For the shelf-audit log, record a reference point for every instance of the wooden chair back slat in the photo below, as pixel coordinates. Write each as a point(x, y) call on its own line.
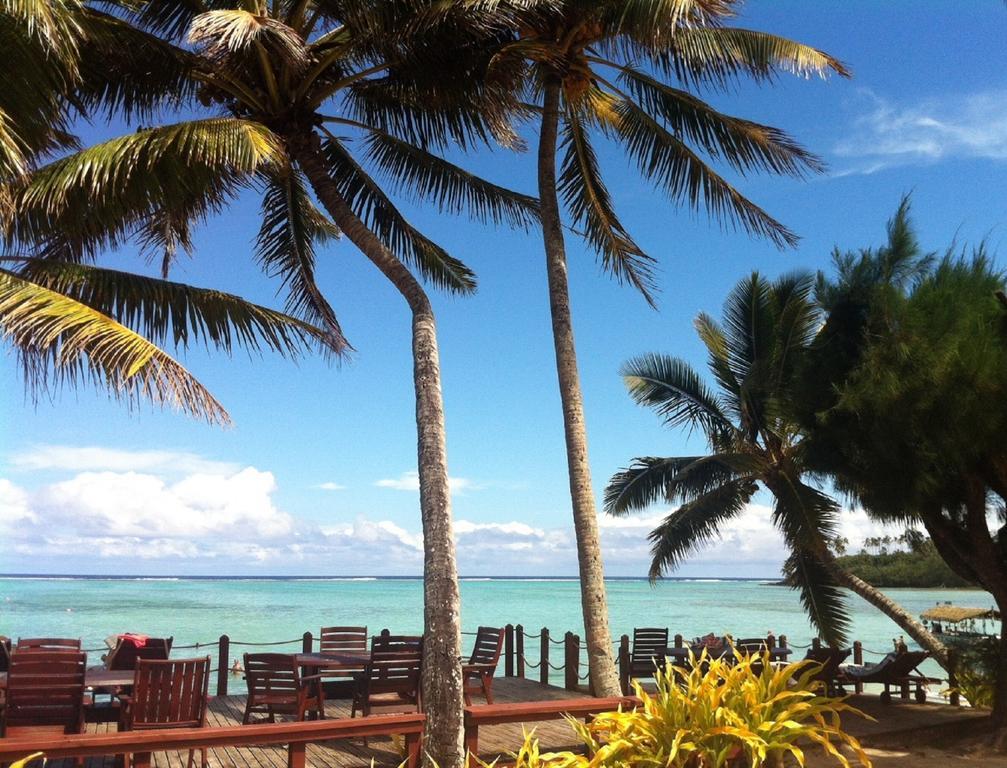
point(342, 640)
point(48, 643)
point(272, 674)
point(489, 643)
point(396, 644)
point(169, 693)
point(46, 688)
point(125, 654)
point(647, 653)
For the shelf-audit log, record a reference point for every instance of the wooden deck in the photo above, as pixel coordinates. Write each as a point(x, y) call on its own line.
point(893, 721)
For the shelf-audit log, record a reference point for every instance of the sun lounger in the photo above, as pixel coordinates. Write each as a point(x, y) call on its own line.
point(899, 669)
point(829, 673)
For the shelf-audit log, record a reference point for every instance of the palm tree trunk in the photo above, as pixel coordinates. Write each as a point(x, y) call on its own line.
point(604, 679)
point(442, 676)
point(890, 608)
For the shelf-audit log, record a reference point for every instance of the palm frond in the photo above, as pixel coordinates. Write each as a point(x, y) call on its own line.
point(170, 19)
point(129, 72)
point(96, 197)
point(168, 312)
point(718, 56)
point(742, 144)
point(376, 210)
point(59, 339)
point(685, 177)
point(586, 197)
point(805, 515)
point(672, 388)
point(285, 247)
point(223, 34)
point(649, 479)
point(451, 188)
point(822, 597)
point(749, 327)
point(695, 524)
point(719, 358)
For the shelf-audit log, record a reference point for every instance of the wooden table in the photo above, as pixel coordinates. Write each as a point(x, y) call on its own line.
point(332, 661)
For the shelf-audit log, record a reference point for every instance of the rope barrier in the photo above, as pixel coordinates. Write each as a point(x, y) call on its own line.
point(532, 666)
point(277, 642)
point(557, 667)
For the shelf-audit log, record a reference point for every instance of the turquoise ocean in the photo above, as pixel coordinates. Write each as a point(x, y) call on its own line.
point(256, 610)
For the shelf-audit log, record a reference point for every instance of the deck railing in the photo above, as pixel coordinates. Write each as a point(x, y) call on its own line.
point(518, 663)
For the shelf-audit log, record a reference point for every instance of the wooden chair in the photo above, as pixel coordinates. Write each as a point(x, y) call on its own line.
point(342, 640)
point(45, 689)
point(647, 654)
point(408, 644)
point(4, 654)
point(391, 679)
point(276, 687)
point(482, 664)
point(125, 655)
point(339, 684)
point(48, 644)
point(829, 674)
point(167, 694)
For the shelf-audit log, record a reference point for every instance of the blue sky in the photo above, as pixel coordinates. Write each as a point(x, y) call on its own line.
point(314, 476)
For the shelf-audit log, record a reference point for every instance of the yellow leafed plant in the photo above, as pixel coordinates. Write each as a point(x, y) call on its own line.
point(24, 761)
point(713, 715)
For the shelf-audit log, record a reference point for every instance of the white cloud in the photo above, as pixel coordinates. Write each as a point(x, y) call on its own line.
point(229, 522)
point(93, 458)
point(410, 481)
point(891, 134)
point(330, 486)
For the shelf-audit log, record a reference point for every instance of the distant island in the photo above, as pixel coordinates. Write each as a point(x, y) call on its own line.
point(910, 560)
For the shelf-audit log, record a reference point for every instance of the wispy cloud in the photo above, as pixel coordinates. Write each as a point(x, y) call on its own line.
point(890, 133)
point(85, 458)
point(330, 486)
point(410, 481)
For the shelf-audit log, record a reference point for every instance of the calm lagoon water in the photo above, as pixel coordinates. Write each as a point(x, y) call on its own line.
point(261, 610)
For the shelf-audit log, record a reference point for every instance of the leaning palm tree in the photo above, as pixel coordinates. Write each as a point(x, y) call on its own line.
point(624, 69)
point(323, 98)
point(753, 357)
point(66, 321)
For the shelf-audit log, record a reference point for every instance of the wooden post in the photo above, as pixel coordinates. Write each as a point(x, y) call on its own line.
point(519, 636)
point(571, 661)
point(816, 643)
point(678, 642)
point(306, 642)
point(858, 659)
point(413, 744)
point(782, 641)
point(771, 642)
point(296, 754)
point(509, 650)
point(625, 666)
point(955, 699)
point(223, 664)
point(543, 670)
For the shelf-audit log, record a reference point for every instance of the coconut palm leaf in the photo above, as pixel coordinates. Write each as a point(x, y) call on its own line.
point(167, 312)
point(672, 388)
point(665, 159)
point(96, 197)
point(62, 340)
point(742, 144)
point(125, 71)
point(823, 599)
point(451, 188)
point(696, 523)
point(718, 361)
point(285, 247)
point(719, 56)
point(377, 211)
point(749, 328)
point(649, 479)
point(581, 187)
point(234, 34)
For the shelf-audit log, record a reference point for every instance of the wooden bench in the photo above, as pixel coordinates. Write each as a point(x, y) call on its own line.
point(532, 711)
point(297, 735)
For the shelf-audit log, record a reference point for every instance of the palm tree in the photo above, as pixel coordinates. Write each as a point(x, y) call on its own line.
point(607, 66)
point(753, 356)
point(65, 321)
point(301, 97)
